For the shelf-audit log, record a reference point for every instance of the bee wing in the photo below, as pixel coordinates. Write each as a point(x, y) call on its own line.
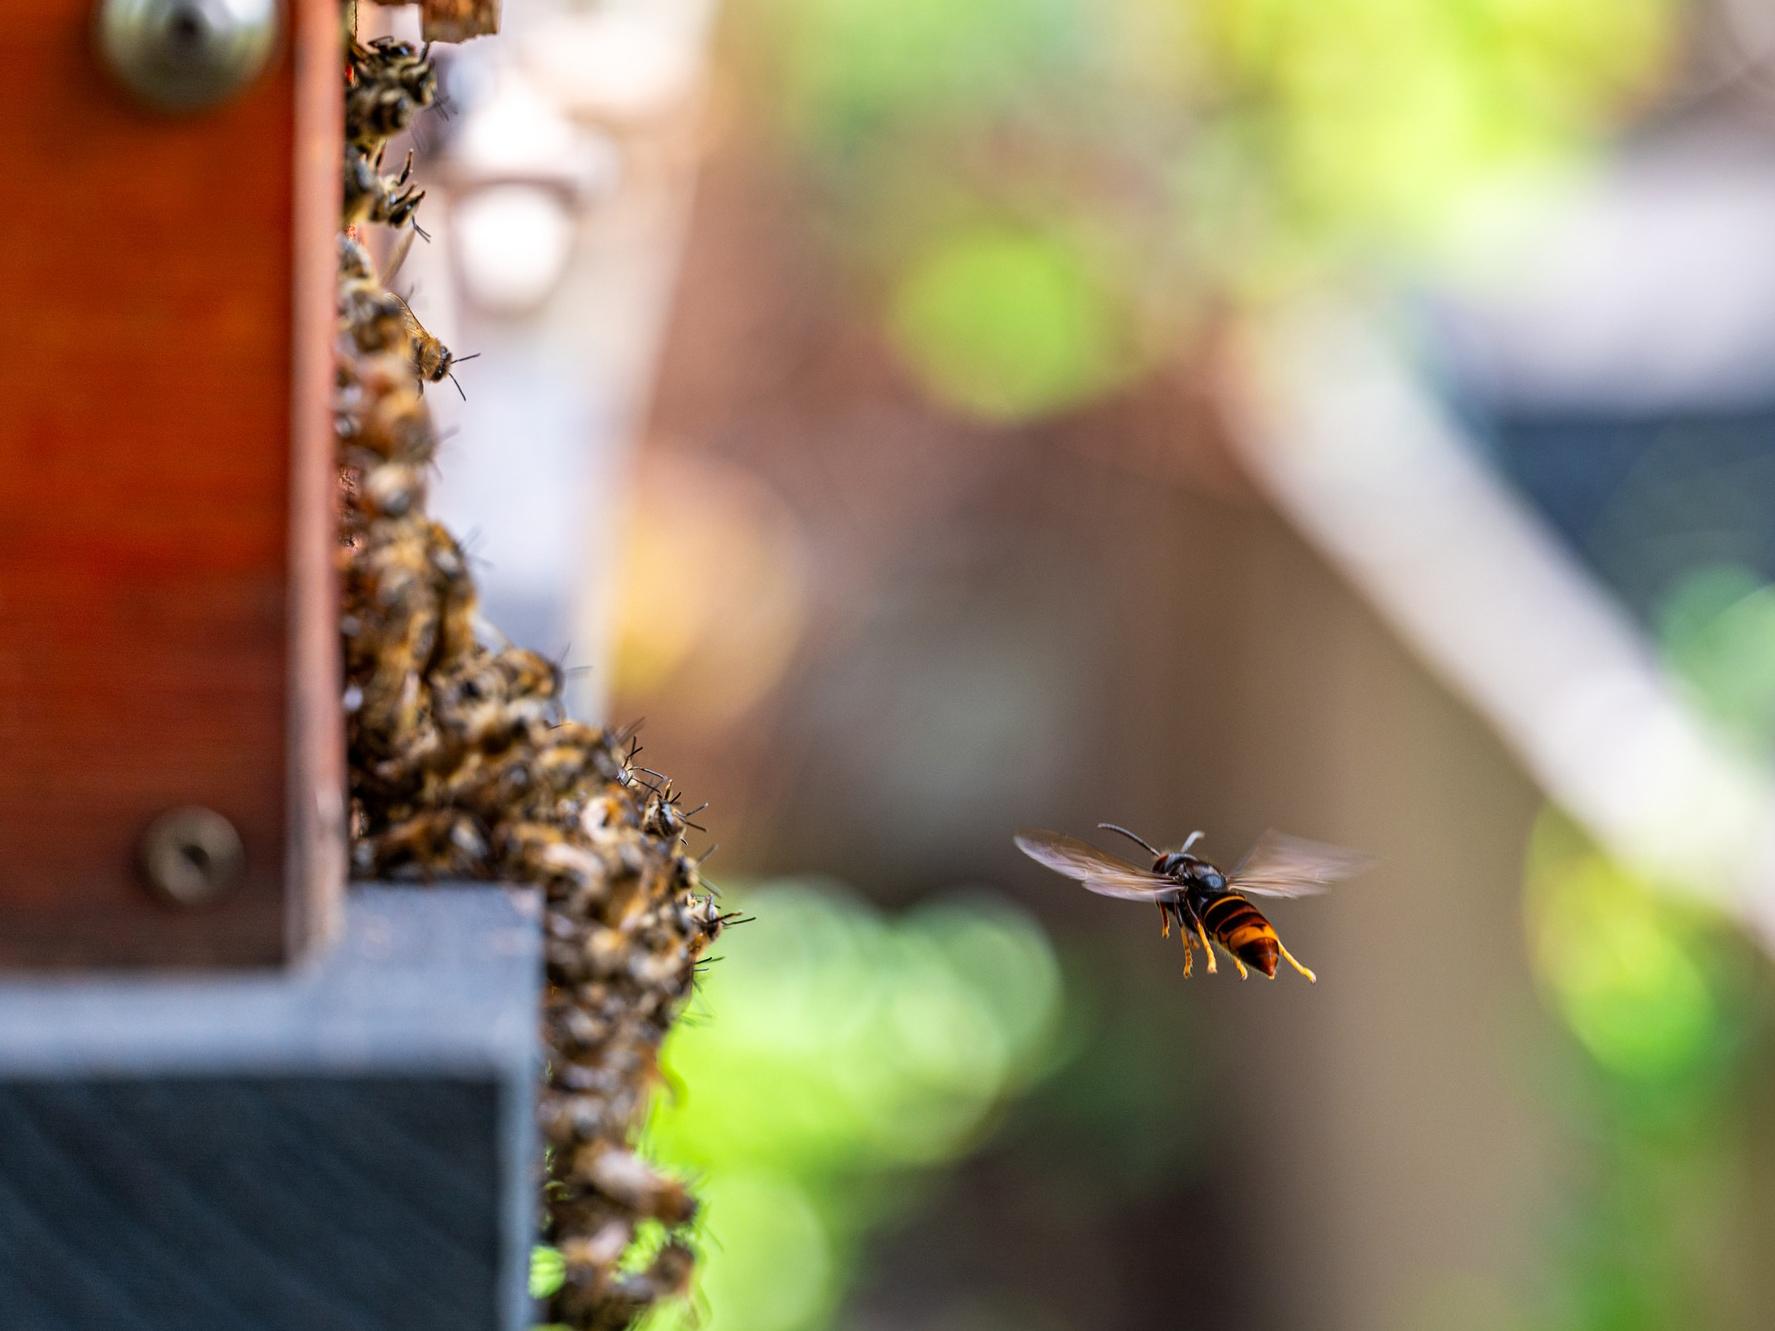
point(397, 256)
point(1280, 865)
point(1096, 870)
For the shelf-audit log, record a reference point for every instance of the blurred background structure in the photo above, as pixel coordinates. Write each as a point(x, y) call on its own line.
point(1329, 414)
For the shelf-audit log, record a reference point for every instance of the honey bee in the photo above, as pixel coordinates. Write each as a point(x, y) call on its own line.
point(392, 424)
point(623, 1175)
point(1203, 901)
point(662, 817)
point(392, 490)
point(391, 82)
point(432, 358)
point(377, 320)
point(457, 617)
point(371, 196)
point(354, 260)
point(434, 843)
point(573, 757)
point(529, 675)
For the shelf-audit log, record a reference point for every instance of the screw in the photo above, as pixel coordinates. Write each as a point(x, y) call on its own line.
point(182, 55)
point(192, 856)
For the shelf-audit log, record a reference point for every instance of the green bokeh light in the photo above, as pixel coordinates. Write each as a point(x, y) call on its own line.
point(1212, 149)
point(845, 1055)
point(1004, 323)
point(1718, 632)
point(547, 1271)
point(773, 1268)
point(1623, 962)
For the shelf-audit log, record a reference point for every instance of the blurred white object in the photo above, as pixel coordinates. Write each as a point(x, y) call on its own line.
point(513, 242)
point(1351, 446)
point(627, 61)
point(565, 199)
point(1651, 288)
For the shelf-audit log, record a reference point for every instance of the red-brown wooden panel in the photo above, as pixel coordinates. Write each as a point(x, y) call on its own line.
point(166, 618)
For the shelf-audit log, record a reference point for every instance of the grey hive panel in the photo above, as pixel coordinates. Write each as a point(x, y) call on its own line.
point(345, 1146)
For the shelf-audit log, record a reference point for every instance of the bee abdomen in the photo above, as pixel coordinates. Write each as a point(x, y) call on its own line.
point(1242, 929)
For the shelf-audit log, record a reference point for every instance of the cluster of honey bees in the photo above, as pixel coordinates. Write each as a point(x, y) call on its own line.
point(464, 765)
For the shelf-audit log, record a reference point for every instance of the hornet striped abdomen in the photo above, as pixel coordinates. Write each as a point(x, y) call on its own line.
point(1196, 896)
point(1241, 929)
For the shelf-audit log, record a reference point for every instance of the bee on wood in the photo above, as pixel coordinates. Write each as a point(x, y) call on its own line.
point(375, 319)
point(625, 1176)
point(540, 852)
point(354, 260)
point(663, 815)
point(387, 421)
point(432, 358)
point(435, 843)
point(575, 757)
point(529, 676)
point(391, 82)
point(371, 196)
point(392, 490)
point(1204, 902)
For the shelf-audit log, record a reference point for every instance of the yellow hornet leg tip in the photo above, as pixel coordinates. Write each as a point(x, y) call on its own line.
point(1289, 957)
point(1203, 935)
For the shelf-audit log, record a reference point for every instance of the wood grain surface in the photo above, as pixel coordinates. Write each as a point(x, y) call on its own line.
point(165, 616)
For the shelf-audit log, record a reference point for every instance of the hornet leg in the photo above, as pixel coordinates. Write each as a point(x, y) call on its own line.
point(1289, 958)
point(1233, 957)
point(1203, 935)
point(1164, 921)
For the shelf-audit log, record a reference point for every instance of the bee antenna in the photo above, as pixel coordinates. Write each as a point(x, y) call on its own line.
point(423, 233)
point(462, 360)
point(459, 392)
point(1116, 827)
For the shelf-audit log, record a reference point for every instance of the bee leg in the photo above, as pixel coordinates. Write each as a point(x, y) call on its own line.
point(1289, 958)
point(1203, 935)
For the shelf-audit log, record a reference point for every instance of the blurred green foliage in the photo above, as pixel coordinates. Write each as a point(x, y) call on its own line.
point(1667, 1001)
point(1006, 323)
point(1632, 967)
point(956, 152)
point(843, 1057)
point(1718, 632)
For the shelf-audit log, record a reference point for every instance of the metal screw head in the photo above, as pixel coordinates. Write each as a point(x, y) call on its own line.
point(192, 856)
point(182, 55)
